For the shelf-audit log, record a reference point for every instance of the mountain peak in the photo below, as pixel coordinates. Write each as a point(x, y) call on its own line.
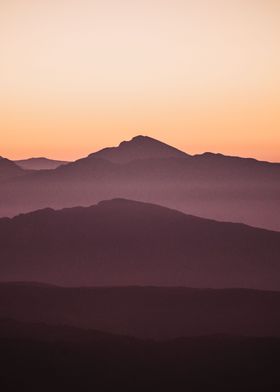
point(138, 148)
point(142, 138)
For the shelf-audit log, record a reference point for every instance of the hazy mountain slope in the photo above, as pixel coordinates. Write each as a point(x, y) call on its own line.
point(39, 163)
point(210, 185)
point(146, 312)
point(9, 169)
point(122, 242)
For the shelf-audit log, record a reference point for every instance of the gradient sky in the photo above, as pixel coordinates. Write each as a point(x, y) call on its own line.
point(79, 75)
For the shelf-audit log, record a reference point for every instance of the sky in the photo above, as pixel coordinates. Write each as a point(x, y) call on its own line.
point(80, 75)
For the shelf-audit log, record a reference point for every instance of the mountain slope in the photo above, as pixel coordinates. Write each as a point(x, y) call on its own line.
point(145, 312)
point(139, 147)
point(9, 169)
point(122, 242)
point(209, 185)
point(62, 359)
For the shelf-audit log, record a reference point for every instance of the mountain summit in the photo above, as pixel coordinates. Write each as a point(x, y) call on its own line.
point(139, 147)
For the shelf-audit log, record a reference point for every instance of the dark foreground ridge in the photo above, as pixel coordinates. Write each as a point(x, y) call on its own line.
point(145, 312)
point(37, 357)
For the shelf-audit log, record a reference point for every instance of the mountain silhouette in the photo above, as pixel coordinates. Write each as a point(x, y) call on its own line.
point(40, 163)
point(208, 185)
point(145, 312)
point(122, 242)
point(9, 170)
point(139, 147)
point(61, 358)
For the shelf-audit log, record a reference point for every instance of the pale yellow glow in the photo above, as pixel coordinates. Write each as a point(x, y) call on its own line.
point(78, 75)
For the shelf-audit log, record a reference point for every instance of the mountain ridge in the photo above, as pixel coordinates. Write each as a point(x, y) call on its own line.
point(208, 185)
point(174, 312)
point(39, 163)
point(119, 201)
point(133, 243)
point(9, 169)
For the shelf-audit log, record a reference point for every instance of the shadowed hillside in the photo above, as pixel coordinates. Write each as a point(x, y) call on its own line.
point(9, 170)
point(36, 357)
point(122, 242)
point(146, 312)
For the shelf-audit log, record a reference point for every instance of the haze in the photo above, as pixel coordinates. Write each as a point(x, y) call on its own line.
point(80, 75)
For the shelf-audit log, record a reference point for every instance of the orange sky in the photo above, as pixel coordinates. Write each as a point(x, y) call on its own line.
point(79, 75)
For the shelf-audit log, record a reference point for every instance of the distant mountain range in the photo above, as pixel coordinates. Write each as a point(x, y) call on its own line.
point(122, 242)
point(208, 185)
point(39, 163)
point(127, 266)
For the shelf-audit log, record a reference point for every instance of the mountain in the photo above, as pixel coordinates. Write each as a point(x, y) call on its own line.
point(145, 312)
point(9, 169)
point(139, 147)
point(66, 359)
point(207, 185)
point(146, 159)
point(122, 242)
point(39, 163)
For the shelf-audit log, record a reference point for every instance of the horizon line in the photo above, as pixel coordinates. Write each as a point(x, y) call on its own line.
point(39, 156)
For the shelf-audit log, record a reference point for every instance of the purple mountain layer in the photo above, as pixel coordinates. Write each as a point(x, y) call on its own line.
point(145, 312)
point(39, 163)
point(122, 242)
point(9, 170)
point(208, 185)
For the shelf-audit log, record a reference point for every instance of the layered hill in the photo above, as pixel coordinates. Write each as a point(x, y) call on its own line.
point(145, 312)
point(209, 185)
point(40, 163)
point(9, 170)
point(122, 242)
point(62, 358)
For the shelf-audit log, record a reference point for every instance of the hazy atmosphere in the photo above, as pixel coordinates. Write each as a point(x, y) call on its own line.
point(139, 195)
point(78, 75)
